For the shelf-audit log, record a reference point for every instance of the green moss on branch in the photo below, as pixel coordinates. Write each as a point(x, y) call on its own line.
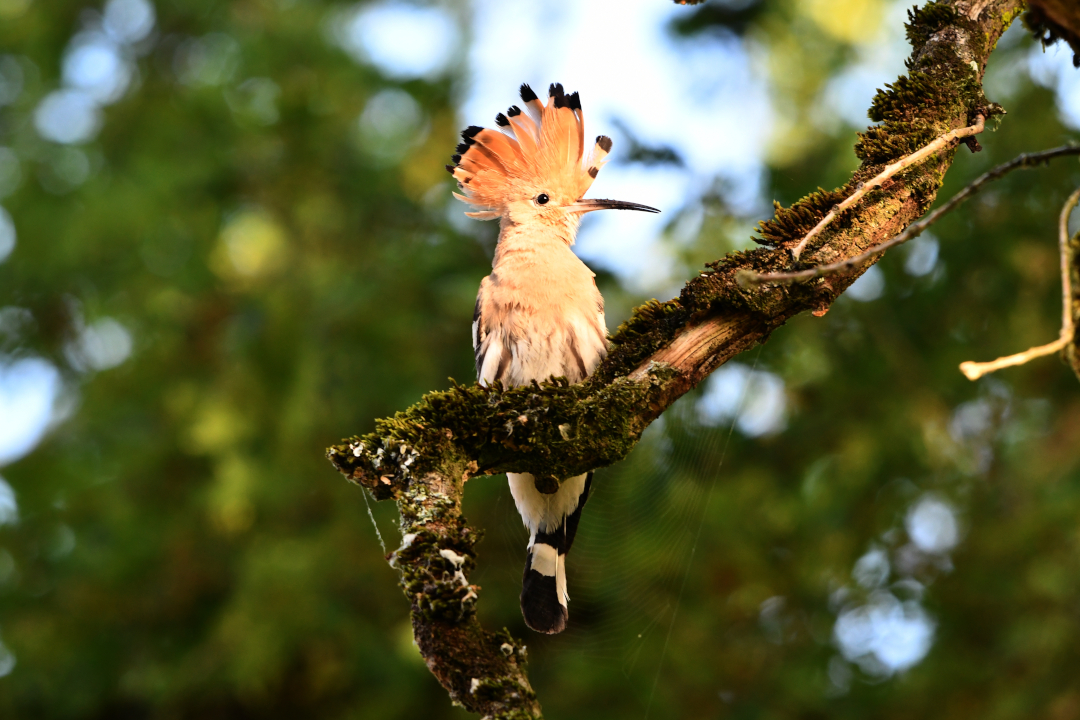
point(482, 671)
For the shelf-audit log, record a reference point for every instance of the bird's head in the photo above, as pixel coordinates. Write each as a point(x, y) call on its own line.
point(533, 168)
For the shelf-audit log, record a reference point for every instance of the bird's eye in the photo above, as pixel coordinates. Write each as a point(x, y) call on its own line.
point(542, 199)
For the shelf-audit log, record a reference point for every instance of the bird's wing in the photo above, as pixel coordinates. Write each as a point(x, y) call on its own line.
point(479, 336)
point(491, 355)
point(588, 341)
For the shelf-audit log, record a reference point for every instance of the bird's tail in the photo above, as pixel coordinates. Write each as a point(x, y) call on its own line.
point(552, 521)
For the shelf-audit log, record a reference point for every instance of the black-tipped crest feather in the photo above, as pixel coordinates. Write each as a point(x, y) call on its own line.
point(531, 147)
point(557, 95)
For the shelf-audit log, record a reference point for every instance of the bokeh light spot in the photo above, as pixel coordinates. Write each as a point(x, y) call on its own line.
point(872, 569)
point(972, 420)
point(216, 426)
point(869, 286)
point(102, 345)
point(922, 256)
point(932, 525)
point(1052, 67)
point(7, 658)
point(7, 234)
point(884, 636)
point(128, 21)
point(251, 245)
point(391, 124)
point(853, 21)
point(94, 65)
point(404, 41)
point(67, 116)
point(28, 390)
point(760, 394)
point(9, 509)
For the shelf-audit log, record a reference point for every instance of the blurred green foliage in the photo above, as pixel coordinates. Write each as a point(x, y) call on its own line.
point(183, 549)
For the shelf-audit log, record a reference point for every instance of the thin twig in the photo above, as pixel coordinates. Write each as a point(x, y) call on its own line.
point(915, 229)
point(975, 370)
point(1065, 250)
point(1072, 352)
point(890, 170)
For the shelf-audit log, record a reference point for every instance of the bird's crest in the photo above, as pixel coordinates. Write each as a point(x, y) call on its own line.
point(538, 149)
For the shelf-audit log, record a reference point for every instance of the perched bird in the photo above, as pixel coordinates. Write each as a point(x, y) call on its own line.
point(539, 313)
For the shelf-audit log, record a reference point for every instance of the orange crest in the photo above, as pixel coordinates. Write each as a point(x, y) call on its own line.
point(536, 150)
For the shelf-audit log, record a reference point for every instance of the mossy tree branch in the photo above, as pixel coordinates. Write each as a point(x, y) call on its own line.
point(1026, 160)
point(422, 457)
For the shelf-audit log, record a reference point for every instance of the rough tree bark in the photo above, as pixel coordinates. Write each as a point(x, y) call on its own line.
point(422, 457)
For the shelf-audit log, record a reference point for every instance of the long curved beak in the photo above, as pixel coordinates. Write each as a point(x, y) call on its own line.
point(584, 206)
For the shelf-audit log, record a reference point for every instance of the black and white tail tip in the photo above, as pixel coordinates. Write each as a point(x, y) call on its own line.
point(543, 586)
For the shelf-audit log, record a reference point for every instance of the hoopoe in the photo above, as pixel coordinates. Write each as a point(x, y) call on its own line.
point(539, 313)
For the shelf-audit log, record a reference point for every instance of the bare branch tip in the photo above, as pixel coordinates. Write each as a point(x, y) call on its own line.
point(971, 370)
